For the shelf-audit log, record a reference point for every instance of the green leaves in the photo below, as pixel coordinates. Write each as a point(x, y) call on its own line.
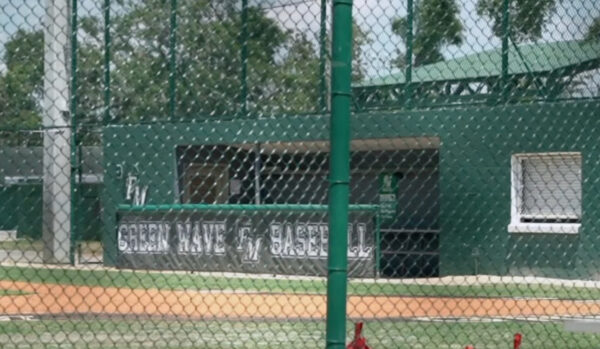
point(527, 17)
point(21, 84)
point(593, 32)
point(436, 25)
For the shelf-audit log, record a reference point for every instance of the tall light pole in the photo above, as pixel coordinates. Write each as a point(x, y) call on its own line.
point(56, 225)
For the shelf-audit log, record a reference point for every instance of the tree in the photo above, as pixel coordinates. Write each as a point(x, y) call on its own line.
point(208, 60)
point(593, 32)
point(436, 25)
point(359, 39)
point(21, 84)
point(283, 65)
point(527, 17)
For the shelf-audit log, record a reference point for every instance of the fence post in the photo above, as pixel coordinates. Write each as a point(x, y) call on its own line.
point(244, 60)
point(409, 54)
point(341, 69)
point(323, 58)
point(73, 113)
point(172, 60)
point(505, 37)
point(106, 117)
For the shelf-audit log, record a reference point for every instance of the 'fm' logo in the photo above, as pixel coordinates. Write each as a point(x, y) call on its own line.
point(134, 192)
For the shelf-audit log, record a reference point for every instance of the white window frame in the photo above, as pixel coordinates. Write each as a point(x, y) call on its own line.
point(516, 197)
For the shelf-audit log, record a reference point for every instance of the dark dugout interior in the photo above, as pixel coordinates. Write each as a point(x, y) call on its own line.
point(296, 173)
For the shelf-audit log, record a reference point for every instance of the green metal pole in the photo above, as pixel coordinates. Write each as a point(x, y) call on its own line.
point(409, 54)
point(172, 60)
point(244, 58)
point(341, 98)
point(505, 37)
point(106, 118)
point(73, 112)
point(377, 243)
point(237, 207)
point(323, 58)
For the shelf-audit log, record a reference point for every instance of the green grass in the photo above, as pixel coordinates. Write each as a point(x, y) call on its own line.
point(147, 333)
point(11, 292)
point(189, 281)
point(22, 244)
point(28, 244)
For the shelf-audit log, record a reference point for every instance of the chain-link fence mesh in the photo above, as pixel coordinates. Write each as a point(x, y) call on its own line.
point(165, 168)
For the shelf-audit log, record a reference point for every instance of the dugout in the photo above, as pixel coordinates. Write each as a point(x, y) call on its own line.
point(274, 172)
point(451, 164)
point(473, 172)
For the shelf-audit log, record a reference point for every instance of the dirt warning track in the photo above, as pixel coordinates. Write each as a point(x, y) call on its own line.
point(53, 299)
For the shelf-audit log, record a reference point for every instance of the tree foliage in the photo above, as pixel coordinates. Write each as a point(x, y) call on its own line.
point(593, 32)
point(283, 65)
point(21, 84)
point(527, 17)
point(436, 25)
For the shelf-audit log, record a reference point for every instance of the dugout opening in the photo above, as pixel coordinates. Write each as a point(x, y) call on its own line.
point(399, 174)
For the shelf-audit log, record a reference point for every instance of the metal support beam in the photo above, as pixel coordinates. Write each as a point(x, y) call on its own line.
point(172, 60)
point(505, 38)
point(244, 60)
point(323, 58)
point(106, 117)
point(75, 156)
point(410, 18)
point(257, 170)
point(238, 207)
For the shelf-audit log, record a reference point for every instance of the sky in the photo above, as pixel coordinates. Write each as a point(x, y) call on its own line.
point(374, 16)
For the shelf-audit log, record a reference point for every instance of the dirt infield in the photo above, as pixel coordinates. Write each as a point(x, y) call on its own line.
point(53, 299)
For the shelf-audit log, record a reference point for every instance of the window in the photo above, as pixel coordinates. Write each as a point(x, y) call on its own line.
point(546, 193)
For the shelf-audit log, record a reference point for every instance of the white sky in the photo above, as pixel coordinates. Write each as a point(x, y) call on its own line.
point(374, 16)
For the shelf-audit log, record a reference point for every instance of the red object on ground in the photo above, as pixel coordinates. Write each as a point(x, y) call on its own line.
point(359, 341)
point(518, 339)
point(469, 347)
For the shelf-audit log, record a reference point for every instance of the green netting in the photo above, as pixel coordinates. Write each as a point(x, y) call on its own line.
point(177, 173)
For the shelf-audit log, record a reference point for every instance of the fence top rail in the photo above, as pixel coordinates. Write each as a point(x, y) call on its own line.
point(237, 207)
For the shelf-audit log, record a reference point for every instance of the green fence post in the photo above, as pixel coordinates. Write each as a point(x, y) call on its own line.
point(323, 58)
point(106, 118)
point(73, 113)
point(409, 54)
point(377, 243)
point(341, 69)
point(172, 60)
point(505, 37)
point(244, 60)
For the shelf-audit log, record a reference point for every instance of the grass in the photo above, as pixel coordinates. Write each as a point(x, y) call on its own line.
point(22, 244)
point(189, 281)
point(11, 293)
point(28, 244)
point(147, 333)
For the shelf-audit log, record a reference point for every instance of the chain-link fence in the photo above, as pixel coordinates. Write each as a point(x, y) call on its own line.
point(167, 177)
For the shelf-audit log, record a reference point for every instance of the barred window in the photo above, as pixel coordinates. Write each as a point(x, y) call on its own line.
point(546, 193)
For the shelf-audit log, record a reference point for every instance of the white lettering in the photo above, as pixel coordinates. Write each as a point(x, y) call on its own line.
point(183, 237)
point(364, 251)
point(123, 238)
point(251, 250)
point(288, 241)
point(275, 230)
point(313, 235)
point(324, 232)
point(301, 240)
